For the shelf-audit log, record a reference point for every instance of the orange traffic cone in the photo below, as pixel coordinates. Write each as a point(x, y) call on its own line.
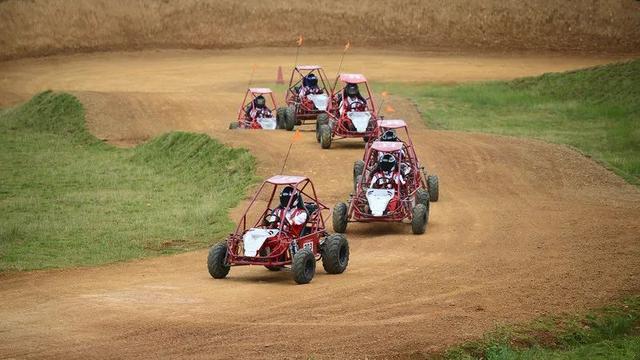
point(279, 78)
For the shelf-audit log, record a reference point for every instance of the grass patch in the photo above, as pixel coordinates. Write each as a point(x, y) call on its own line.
point(68, 199)
point(612, 332)
point(596, 110)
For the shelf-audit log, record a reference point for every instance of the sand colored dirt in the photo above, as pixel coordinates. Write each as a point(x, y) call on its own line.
point(522, 228)
point(44, 27)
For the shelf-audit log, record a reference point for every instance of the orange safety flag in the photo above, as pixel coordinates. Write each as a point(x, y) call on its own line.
point(348, 45)
point(390, 109)
point(296, 136)
point(300, 40)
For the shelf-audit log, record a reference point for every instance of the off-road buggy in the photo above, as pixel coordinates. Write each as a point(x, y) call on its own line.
point(250, 117)
point(263, 238)
point(401, 131)
point(386, 200)
point(348, 120)
point(304, 106)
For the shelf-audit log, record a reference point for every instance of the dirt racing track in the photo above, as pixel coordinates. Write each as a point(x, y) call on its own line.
point(522, 228)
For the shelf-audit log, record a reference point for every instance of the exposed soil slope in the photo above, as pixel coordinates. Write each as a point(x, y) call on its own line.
point(43, 27)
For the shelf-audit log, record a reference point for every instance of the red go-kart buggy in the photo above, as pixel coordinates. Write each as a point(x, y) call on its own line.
point(387, 200)
point(307, 97)
point(250, 116)
point(263, 238)
point(350, 116)
point(429, 182)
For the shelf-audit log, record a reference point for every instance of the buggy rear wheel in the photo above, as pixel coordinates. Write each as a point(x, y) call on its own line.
point(216, 261)
point(266, 252)
point(339, 217)
point(335, 254)
point(290, 117)
point(358, 169)
point(234, 125)
point(432, 182)
point(325, 136)
point(420, 219)
point(303, 266)
point(422, 197)
point(280, 114)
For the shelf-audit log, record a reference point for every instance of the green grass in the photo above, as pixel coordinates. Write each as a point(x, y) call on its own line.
point(67, 199)
point(596, 110)
point(612, 332)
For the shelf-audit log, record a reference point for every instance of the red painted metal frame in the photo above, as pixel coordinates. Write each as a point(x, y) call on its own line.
point(248, 123)
point(398, 124)
point(305, 109)
point(280, 254)
point(414, 181)
point(339, 130)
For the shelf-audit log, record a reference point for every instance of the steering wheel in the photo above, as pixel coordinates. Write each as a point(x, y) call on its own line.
point(271, 220)
point(383, 183)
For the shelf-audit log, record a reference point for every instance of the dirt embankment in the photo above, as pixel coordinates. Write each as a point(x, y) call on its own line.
point(43, 27)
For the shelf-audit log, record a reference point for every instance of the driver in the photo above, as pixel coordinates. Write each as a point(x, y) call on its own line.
point(390, 135)
point(386, 177)
point(352, 100)
point(294, 217)
point(309, 86)
point(258, 109)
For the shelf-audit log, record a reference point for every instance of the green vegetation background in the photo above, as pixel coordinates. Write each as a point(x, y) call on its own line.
point(68, 199)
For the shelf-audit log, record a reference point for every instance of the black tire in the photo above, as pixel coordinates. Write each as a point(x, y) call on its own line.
point(322, 119)
point(325, 136)
point(264, 252)
point(339, 217)
point(422, 197)
point(303, 266)
point(216, 261)
point(420, 219)
point(358, 169)
point(234, 125)
point(432, 183)
point(290, 117)
point(280, 114)
point(335, 254)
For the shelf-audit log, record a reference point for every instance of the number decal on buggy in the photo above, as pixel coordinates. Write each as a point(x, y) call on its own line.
point(308, 246)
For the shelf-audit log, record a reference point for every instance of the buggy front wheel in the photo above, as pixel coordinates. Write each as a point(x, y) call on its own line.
point(434, 192)
point(339, 217)
point(420, 219)
point(422, 197)
point(325, 136)
point(216, 261)
point(290, 117)
point(322, 119)
point(335, 254)
point(280, 115)
point(303, 266)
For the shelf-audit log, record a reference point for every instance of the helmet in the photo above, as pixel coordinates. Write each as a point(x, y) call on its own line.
point(352, 89)
point(312, 80)
point(285, 196)
point(387, 162)
point(389, 135)
point(259, 101)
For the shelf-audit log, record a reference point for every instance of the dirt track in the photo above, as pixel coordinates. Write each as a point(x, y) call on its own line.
point(523, 228)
